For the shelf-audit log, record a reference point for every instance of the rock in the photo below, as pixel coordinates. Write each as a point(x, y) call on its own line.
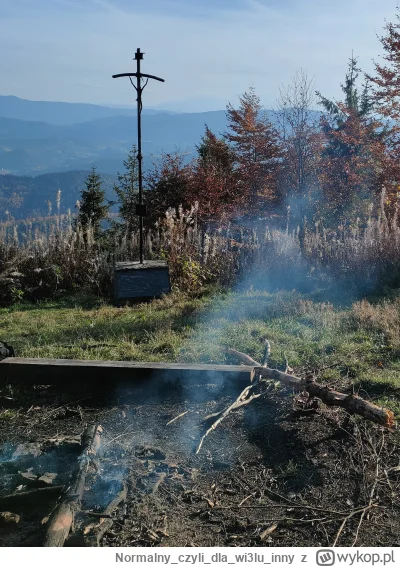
point(8, 519)
point(6, 350)
point(28, 478)
point(47, 479)
point(33, 480)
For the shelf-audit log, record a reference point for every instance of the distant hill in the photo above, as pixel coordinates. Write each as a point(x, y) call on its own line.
point(62, 113)
point(49, 137)
point(29, 148)
point(24, 196)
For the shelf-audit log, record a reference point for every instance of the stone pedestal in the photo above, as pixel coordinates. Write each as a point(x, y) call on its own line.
point(135, 281)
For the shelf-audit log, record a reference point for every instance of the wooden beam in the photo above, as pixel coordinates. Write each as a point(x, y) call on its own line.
point(54, 371)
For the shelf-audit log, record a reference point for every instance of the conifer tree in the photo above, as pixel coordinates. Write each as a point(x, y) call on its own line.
point(93, 208)
point(386, 81)
point(213, 150)
point(354, 147)
point(127, 192)
point(256, 145)
point(214, 180)
point(167, 186)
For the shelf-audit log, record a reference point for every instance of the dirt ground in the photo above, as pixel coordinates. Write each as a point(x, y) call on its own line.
point(271, 474)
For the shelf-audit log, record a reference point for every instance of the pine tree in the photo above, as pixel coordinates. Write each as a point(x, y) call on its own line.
point(214, 180)
point(93, 208)
point(386, 82)
point(127, 193)
point(167, 186)
point(213, 150)
point(354, 147)
point(256, 145)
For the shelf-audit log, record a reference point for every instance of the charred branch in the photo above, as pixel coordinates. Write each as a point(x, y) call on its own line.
point(62, 519)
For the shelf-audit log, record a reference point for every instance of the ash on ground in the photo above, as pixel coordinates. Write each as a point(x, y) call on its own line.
point(269, 475)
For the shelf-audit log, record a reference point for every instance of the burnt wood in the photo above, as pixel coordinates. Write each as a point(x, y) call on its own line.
point(61, 520)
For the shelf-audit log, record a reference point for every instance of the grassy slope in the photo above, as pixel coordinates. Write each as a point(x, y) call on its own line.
point(359, 346)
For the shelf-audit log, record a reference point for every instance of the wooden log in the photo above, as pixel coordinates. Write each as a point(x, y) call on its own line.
point(242, 357)
point(90, 534)
point(63, 372)
point(95, 536)
point(62, 519)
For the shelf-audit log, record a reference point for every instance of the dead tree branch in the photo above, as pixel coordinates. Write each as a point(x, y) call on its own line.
point(62, 519)
point(352, 403)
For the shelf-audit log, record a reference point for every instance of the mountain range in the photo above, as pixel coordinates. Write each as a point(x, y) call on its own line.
point(41, 137)
point(46, 146)
point(24, 197)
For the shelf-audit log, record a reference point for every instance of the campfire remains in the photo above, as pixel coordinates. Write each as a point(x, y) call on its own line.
point(261, 374)
point(147, 472)
point(62, 519)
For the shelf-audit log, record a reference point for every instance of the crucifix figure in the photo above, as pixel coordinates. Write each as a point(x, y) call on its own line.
point(141, 207)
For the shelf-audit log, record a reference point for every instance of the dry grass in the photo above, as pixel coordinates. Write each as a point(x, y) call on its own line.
point(56, 260)
point(382, 318)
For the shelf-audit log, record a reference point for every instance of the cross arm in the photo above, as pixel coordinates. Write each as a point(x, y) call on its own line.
point(135, 75)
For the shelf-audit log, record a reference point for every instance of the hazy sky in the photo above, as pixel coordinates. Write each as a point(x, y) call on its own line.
point(208, 51)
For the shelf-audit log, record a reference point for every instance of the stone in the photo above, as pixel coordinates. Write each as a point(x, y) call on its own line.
point(8, 519)
point(48, 478)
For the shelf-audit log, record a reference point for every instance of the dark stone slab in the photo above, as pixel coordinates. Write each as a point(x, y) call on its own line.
point(133, 280)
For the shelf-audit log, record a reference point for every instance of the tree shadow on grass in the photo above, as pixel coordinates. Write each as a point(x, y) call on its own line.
point(83, 301)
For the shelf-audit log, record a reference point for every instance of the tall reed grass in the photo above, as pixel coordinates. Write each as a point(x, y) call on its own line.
point(49, 257)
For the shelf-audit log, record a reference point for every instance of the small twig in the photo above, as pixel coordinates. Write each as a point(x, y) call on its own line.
point(247, 498)
point(354, 513)
point(266, 354)
point(126, 432)
point(371, 496)
point(160, 479)
point(241, 400)
point(96, 514)
point(177, 417)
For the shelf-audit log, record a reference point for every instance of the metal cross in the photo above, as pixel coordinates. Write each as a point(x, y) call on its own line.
point(140, 208)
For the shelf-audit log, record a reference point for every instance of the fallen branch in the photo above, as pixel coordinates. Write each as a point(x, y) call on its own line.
point(243, 358)
point(62, 519)
point(244, 398)
point(342, 525)
point(352, 403)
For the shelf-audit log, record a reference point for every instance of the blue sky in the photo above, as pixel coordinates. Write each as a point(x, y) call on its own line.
point(208, 51)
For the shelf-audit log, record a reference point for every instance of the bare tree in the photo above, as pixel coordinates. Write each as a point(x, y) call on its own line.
point(299, 127)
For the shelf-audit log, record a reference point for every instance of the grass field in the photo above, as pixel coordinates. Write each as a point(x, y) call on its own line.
point(355, 345)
